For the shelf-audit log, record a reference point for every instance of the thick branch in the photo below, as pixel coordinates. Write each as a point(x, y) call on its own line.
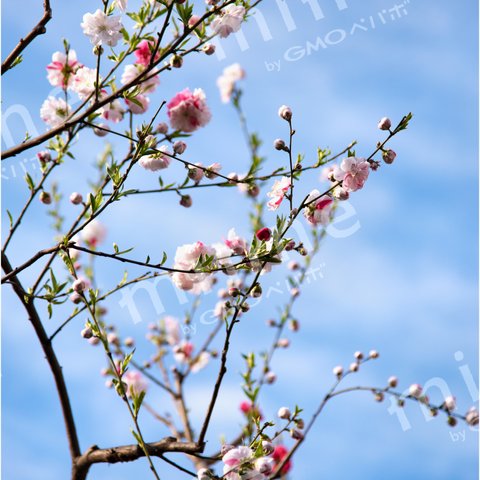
point(51, 359)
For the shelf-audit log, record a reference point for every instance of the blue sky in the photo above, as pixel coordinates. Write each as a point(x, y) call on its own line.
point(404, 283)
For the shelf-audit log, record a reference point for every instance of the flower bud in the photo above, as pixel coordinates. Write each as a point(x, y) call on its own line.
point(358, 355)
point(162, 128)
point(75, 298)
point(293, 265)
point(264, 234)
point(176, 61)
point(76, 198)
point(268, 447)
point(193, 20)
point(44, 156)
point(234, 292)
point(97, 50)
point(285, 113)
point(101, 132)
point(373, 354)
point(294, 325)
point(256, 291)
point(270, 377)
point(78, 285)
point(450, 403)
point(415, 390)
point(284, 413)
point(86, 333)
point(295, 292)
point(296, 434)
point(253, 191)
point(279, 144)
point(392, 382)
point(472, 417)
point(271, 323)
point(45, 198)
point(179, 147)
point(290, 246)
point(204, 473)
point(379, 396)
point(186, 201)
point(129, 342)
point(196, 174)
point(209, 49)
point(283, 343)
point(353, 367)
point(384, 124)
point(389, 156)
point(338, 371)
point(245, 307)
point(452, 421)
point(94, 341)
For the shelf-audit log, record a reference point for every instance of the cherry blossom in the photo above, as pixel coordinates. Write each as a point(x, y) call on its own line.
point(188, 111)
point(354, 173)
point(139, 105)
point(200, 362)
point(62, 68)
point(143, 52)
point(94, 233)
point(83, 82)
point(279, 453)
point(228, 21)
point(131, 72)
point(101, 28)
point(237, 244)
point(113, 111)
point(135, 381)
point(277, 193)
point(226, 82)
point(318, 212)
point(54, 111)
point(156, 161)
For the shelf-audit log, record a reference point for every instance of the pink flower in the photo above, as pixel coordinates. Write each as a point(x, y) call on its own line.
point(278, 455)
point(264, 234)
point(135, 381)
point(143, 52)
point(200, 362)
point(236, 457)
point(139, 106)
point(228, 21)
point(354, 173)
point(188, 111)
point(94, 233)
point(279, 189)
point(131, 72)
point(172, 330)
point(186, 258)
point(183, 352)
point(113, 111)
point(61, 70)
point(83, 82)
point(237, 244)
point(226, 82)
point(156, 161)
point(318, 212)
point(54, 111)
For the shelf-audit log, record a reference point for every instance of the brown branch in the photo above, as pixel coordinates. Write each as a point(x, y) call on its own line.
point(129, 453)
point(23, 43)
point(51, 359)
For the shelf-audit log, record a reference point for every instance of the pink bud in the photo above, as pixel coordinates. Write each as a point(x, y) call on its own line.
point(283, 343)
point(384, 124)
point(75, 298)
point(264, 234)
point(392, 382)
point(296, 434)
point(44, 156)
point(450, 403)
point(284, 413)
point(373, 354)
point(186, 201)
point(338, 371)
point(209, 49)
point(78, 285)
point(268, 447)
point(353, 367)
point(45, 198)
point(162, 128)
point(279, 144)
point(285, 113)
point(415, 390)
point(294, 325)
point(389, 156)
point(76, 198)
point(358, 355)
point(193, 20)
point(86, 333)
point(472, 417)
point(179, 147)
point(129, 342)
point(270, 377)
point(101, 132)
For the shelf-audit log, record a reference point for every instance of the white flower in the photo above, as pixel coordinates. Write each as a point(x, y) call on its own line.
point(226, 82)
point(228, 21)
point(101, 28)
point(200, 362)
point(54, 111)
point(84, 82)
point(121, 4)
